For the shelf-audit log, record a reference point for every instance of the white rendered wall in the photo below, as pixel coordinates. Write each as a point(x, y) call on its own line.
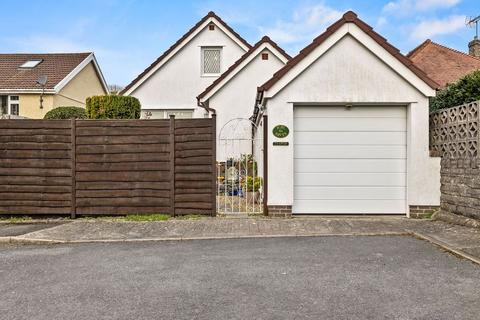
point(350, 73)
point(178, 82)
point(236, 98)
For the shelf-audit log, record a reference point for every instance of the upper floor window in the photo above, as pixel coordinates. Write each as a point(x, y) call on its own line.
point(211, 60)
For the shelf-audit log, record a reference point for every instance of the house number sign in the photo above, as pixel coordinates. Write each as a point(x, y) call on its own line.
point(280, 131)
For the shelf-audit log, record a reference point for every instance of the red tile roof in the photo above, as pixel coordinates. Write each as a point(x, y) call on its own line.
point(56, 66)
point(265, 39)
point(442, 64)
point(348, 17)
point(211, 14)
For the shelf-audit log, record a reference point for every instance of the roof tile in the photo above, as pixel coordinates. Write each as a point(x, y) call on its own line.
point(56, 66)
point(442, 64)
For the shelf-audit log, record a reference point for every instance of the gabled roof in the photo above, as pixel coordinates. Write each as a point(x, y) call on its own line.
point(349, 17)
point(238, 65)
point(443, 64)
point(60, 68)
point(180, 43)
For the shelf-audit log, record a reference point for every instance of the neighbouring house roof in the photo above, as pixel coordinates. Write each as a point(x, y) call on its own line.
point(238, 65)
point(349, 17)
point(180, 43)
point(60, 68)
point(443, 64)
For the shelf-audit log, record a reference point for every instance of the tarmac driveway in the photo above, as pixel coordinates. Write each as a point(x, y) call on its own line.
point(388, 277)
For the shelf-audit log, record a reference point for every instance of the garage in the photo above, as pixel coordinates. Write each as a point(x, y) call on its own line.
point(355, 132)
point(350, 160)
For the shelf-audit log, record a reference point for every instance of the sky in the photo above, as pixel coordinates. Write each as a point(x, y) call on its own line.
point(128, 35)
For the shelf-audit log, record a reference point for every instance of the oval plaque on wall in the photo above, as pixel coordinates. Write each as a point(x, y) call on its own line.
point(280, 131)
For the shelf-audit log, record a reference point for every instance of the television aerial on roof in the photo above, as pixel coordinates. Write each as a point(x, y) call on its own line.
point(472, 22)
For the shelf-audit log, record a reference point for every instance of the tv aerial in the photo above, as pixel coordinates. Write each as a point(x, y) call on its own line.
point(472, 22)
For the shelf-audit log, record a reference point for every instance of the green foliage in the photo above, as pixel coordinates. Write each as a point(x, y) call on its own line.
point(147, 217)
point(66, 113)
point(465, 90)
point(113, 107)
point(251, 184)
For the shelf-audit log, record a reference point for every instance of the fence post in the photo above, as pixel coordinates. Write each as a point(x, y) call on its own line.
point(214, 164)
point(73, 156)
point(265, 165)
point(172, 165)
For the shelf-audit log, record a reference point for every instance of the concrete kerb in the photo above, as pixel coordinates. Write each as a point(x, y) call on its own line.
point(441, 244)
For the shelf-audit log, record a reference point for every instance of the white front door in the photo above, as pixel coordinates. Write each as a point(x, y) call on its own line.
point(350, 160)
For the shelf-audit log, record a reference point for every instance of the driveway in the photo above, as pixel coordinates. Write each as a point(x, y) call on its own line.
point(362, 277)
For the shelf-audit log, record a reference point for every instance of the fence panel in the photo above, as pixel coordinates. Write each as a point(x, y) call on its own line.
point(116, 166)
point(454, 131)
point(35, 167)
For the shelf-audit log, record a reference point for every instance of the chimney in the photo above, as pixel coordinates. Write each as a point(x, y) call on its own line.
point(474, 47)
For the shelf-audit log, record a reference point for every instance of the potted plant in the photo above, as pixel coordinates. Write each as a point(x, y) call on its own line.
point(251, 187)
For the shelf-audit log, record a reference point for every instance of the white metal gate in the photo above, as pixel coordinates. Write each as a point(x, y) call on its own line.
point(240, 182)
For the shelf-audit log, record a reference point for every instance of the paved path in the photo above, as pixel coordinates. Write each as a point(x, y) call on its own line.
point(385, 277)
point(453, 237)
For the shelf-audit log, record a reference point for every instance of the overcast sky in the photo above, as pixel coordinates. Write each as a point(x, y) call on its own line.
point(128, 35)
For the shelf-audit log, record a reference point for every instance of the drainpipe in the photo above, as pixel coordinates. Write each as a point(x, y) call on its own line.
point(204, 106)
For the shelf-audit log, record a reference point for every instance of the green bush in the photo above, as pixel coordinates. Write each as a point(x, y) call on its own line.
point(113, 107)
point(66, 113)
point(465, 90)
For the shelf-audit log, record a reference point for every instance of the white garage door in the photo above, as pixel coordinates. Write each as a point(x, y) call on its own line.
point(350, 161)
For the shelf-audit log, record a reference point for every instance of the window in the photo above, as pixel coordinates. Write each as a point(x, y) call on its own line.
point(165, 114)
point(211, 60)
point(211, 27)
point(4, 104)
point(14, 109)
point(264, 56)
point(30, 64)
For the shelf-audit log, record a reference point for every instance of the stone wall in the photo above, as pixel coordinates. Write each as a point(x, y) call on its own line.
point(460, 180)
point(454, 135)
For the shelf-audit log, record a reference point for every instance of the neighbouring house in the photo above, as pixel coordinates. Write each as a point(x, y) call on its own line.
point(231, 95)
point(33, 84)
point(443, 64)
point(357, 114)
point(170, 85)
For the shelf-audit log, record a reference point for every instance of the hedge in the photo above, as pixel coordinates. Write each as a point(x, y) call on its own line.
point(66, 113)
point(465, 90)
point(113, 107)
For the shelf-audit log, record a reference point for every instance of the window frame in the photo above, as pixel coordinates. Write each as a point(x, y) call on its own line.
point(12, 102)
point(202, 61)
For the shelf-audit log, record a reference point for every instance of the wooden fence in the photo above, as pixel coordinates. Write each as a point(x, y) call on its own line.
point(112, 167)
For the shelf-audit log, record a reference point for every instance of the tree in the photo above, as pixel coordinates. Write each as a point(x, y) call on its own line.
point(465, 90)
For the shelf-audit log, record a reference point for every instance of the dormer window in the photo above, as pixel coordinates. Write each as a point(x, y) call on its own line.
point(211, 60)
point(30, 64)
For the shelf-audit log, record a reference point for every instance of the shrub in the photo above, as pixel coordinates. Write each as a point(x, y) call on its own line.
point(251, 184)
point(113, 107)
point(66, 113)
point(465, 90)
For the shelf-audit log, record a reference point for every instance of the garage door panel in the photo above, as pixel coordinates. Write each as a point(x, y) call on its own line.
point(350, 152)
point(350, 161)
point(349, 193)
point(355, 111)
point(350, 138)
point(350, 207)
point(350, 165)
point(350, 179)
point(349, 124)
